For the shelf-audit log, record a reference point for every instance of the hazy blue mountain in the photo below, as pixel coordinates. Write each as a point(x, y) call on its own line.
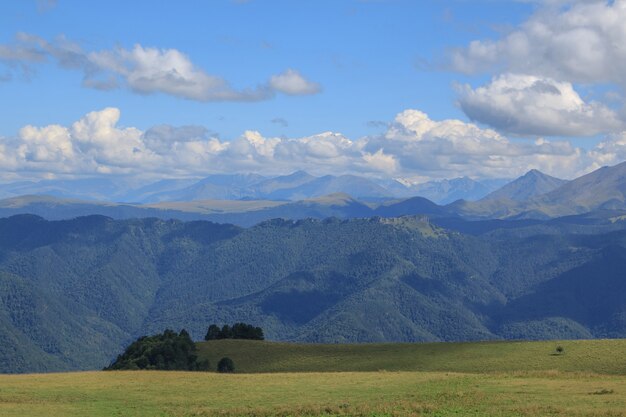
point(445, 191)
point(86, 188)
point(150, 193)
point(602, 190)
point(282, 187)
point(297, 186)
point(241, 212)
point(357, 187)
point(213, 187)
point(531, 184)
point(73, 293)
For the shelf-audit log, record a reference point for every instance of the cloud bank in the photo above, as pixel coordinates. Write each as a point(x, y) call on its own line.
point(147, 70)
point(413, 146)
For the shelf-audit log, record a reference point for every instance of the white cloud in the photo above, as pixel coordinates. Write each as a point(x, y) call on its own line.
point(563, 45)
point(531, 105)
point(575, 41)
point(452, 148)
point(291, 82)
point(611, 151)
point(147, 70)
point(413, 146)
point(169, 71)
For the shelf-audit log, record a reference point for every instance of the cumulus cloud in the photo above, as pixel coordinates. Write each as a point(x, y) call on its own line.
point(532, 105)
point(291, 82)
point(451, 148)
point(576, 41)
point(413, 146)
point(147, 70)
point(562, 45)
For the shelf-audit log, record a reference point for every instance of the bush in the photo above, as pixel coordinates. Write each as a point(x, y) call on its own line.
point(226, 365)
point(560, 350)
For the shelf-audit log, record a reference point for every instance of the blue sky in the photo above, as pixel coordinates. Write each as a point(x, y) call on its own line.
point(293, 69)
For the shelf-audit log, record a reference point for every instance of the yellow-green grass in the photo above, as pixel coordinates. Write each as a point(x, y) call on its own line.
point(598, 356)
point(372, 394)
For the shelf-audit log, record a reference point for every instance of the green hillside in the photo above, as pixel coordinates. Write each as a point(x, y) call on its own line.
point(74, 293)
point(598, 356)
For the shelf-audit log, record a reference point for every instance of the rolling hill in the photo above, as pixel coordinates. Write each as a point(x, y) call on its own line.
point(474, 357)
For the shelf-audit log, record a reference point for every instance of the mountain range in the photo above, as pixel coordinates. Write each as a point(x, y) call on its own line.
point(533, 196)
point(539, 258)
point(293, 187)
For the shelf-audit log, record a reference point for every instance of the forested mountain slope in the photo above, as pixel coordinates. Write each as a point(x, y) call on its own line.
point(74, 292)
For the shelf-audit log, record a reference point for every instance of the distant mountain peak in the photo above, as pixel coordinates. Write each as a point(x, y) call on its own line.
point(298, 174)
point(529, 185)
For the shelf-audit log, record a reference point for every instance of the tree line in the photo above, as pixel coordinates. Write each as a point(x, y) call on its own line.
point(237, 331)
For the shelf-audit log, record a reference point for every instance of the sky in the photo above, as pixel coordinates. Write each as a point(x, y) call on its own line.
point(381, 88)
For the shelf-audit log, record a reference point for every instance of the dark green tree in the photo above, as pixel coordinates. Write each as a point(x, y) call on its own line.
point(247, 331)
point(226, 365)
point(213, 333)
point(237, 331)
point(226, 332)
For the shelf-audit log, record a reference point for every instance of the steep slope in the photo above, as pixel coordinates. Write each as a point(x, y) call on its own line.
point(531, 184)
point(604, 188)
point(73, 292)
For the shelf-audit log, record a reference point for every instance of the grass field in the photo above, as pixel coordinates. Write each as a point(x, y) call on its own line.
point(489, 379)
point(373, 394)
point(598, 356)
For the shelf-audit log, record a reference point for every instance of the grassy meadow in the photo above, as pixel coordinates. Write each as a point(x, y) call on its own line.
point(597, 356)
point(153, 393)
point(278, 379)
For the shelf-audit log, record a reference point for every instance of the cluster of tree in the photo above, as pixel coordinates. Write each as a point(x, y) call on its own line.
point(237, 331)
point(165, 351)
